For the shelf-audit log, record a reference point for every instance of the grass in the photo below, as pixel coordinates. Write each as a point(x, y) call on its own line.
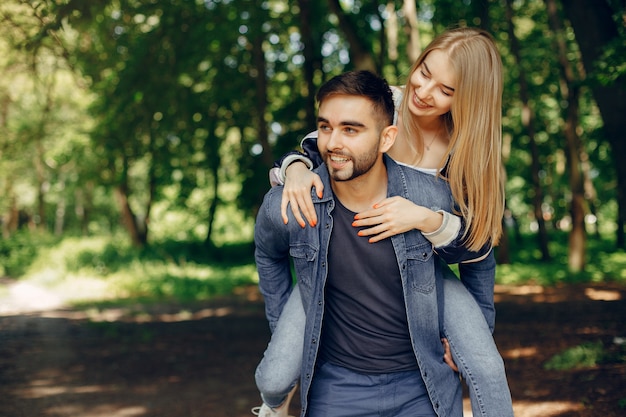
point(107, 269)
point(587, 355)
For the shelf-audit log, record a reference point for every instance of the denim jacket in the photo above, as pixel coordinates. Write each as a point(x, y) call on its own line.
point(277, 244)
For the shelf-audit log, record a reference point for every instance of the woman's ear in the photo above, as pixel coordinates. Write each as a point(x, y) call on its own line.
point(387, 138)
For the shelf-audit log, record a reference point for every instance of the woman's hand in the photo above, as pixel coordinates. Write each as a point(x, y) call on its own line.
point(447, 355)
point(297, 193)
point(396, 215)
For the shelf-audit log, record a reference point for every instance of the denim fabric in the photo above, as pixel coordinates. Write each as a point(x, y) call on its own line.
point(277, 243)
point(474, 351)
point(464, 325)
point(339, 392)
point(278, 371)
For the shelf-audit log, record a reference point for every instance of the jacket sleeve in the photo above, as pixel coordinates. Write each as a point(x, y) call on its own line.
point(271, 254)
point(310, 156)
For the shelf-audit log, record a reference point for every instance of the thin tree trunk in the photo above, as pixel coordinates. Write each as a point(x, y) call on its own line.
point(528, 123)
point(570, 93)
point(411, 29)
point(360, 57)
point(129, 219)
point(309, 61)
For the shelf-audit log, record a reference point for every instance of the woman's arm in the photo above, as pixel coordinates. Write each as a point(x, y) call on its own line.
point(293, 170)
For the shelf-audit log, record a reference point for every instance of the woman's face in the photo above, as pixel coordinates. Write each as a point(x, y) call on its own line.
point(432, 85)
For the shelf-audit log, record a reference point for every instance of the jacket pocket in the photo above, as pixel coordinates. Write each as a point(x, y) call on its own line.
point(304, 259)
point(420, 267)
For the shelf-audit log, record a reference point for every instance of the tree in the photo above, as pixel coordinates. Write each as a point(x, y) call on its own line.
point(598, 36)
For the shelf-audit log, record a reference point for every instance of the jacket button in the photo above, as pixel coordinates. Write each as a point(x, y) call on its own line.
point(308, 376)
point(424, 255)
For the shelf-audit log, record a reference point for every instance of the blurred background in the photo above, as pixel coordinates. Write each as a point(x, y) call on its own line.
point(136, 135)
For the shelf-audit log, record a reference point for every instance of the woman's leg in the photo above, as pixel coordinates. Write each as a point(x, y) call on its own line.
point(474, 351)
point(279, 370)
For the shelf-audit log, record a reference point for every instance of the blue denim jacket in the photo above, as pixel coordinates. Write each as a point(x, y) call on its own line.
point(277, 244)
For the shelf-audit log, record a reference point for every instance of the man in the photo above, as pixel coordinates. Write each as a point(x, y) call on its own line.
point(372, 338)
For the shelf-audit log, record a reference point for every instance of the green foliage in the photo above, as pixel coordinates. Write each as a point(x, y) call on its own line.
point(582, 356)
point(605, 263)
point(109, 269)
point(20, 250)
point(588, 355)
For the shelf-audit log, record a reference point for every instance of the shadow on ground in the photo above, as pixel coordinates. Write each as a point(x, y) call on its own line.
point(188, 361)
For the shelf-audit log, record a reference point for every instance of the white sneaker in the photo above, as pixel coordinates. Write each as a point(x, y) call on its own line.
point(280, 411)
point(266, 411)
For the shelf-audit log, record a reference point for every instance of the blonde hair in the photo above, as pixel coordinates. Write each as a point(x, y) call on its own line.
point(474, 124)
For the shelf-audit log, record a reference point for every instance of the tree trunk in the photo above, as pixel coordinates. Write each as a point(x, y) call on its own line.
point(411, 29)
point(129, 219)
point(360, 57)
point(595, 28)
point(528, 123)
point(570, 94)
point(214, 161)
point(309, 62)
point(260, 81)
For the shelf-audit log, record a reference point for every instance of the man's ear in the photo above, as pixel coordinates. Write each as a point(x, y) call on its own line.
point(387, 138)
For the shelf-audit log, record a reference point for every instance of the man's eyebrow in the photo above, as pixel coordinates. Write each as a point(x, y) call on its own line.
point(343, 123)
point(447, 87)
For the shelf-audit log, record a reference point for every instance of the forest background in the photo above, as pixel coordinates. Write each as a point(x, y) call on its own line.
point(135, 142)
point(136, 136)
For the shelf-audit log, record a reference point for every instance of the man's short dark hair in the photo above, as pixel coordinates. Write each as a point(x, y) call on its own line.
point(365, 84)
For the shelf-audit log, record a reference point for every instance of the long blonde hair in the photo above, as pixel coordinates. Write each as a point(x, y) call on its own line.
point(474, 123)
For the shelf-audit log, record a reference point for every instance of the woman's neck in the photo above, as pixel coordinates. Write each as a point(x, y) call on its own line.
point(434, 148)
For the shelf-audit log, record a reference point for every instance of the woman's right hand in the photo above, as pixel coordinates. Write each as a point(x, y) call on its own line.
point(297, 193)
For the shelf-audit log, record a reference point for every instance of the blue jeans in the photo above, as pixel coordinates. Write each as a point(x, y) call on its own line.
point(464, 325)
point(475, 352)
point(339, 392)
point(279, 370)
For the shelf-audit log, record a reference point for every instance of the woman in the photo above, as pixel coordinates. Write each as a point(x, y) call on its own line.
point(449, 121)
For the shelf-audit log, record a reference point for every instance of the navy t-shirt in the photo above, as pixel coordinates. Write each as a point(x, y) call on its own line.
point(365, 326)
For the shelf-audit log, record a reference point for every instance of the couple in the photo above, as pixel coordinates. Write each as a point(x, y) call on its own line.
point(375, 308)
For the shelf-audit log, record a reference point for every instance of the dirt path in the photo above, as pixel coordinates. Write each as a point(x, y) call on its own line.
point(187, 361)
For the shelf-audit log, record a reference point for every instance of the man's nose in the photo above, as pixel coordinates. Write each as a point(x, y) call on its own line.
point(335, 140)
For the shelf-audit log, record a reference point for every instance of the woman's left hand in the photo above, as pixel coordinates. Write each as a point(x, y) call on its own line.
point(390, 217)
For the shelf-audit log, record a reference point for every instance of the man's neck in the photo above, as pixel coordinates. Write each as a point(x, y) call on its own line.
point(362, 193)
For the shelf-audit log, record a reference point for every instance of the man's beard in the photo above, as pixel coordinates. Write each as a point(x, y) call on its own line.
point(360, 165)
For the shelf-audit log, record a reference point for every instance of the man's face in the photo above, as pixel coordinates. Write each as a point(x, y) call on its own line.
point(348, 136)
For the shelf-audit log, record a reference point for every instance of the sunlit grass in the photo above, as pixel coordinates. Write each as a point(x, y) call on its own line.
point(109, 269)
point(604, 263)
